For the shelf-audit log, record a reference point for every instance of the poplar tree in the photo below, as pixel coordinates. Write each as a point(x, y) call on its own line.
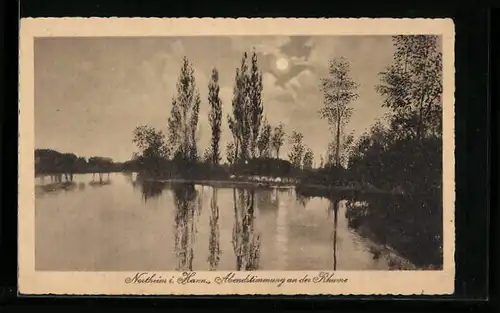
point(245, 122)
point(215, 115)
point(183, 121)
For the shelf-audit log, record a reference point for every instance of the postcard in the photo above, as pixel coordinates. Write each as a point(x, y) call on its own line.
point(247, 156)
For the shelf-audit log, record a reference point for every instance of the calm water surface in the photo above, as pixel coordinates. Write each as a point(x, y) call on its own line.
point(123, 224)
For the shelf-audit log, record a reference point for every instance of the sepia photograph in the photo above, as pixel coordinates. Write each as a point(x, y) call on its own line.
point(238, 154)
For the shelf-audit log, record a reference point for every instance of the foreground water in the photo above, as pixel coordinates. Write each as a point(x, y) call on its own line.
point(123, 224)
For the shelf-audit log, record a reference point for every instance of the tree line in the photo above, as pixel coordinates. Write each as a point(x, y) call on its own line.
point(253, 138)
point(255, 144)
point(402, 150)
point(52, 162)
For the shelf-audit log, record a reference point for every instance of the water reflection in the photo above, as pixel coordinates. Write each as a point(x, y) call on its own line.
point(246, 242)
point(151, 189)
point(54, 185)
point(214, 251)
point(185, 196)
point(239, 229)
point(81, 186)
point(334, 206)
point(267, 199)
point(100, 183)
point(102, 178)
point(302, 199)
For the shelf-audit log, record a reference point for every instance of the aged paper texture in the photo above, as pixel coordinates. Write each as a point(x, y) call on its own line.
point(236, 156)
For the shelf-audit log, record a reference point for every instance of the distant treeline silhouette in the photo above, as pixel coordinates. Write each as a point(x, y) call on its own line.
point(51, 162)
point(156, 167)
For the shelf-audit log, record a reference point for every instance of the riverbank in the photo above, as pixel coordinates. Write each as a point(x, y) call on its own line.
point(395, 261)
point(414, 240)
point(67, 186)
point(56, 186)
point(315, 190)
point(221, 183)
point(304, 189)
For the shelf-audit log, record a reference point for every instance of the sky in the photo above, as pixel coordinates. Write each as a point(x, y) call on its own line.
point(90, 93)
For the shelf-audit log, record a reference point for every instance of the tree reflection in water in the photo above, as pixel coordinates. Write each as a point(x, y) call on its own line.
point(101, 182)
point(334, 206)
point(185, 196)
point(213, 241)
point(302, 200)
point(246, 242)
point(267, 199)
point(151, 189)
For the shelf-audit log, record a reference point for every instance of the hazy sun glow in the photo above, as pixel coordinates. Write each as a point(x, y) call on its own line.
point(281, 64)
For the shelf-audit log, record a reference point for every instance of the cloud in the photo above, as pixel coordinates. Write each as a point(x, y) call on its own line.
point(296, 61)
point(270, 45)
point(110, 103)
point(306, 79)
point(273, 91)
point(297, 47)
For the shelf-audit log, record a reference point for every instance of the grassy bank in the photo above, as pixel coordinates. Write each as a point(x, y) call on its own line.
point(410, 226)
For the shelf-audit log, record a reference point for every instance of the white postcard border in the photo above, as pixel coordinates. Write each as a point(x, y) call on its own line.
point(114, 283)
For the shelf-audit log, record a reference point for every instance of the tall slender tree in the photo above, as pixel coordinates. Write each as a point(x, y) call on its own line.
point(256, 105)
point(183, 120)
point(237, 122)
point(215, 115)
point(339, 91)
point(245, 122)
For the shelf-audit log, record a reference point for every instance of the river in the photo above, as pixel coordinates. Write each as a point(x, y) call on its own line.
point(123, 224)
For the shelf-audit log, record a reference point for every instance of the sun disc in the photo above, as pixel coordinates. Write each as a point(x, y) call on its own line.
point(282, 64)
